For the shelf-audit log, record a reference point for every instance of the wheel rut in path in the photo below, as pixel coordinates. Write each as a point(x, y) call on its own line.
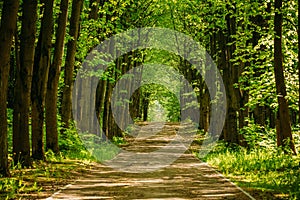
point(186, 178)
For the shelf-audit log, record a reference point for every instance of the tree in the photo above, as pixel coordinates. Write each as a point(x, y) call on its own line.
point(283, 128)
point(230, 76)
point(66, 108)
point(40, 78)
point(7, 30)
point(53, 78)
point(94, 8)
point(21, 144)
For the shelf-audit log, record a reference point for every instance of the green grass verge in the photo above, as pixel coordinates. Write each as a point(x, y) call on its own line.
point(45, 177)
point(263, 169)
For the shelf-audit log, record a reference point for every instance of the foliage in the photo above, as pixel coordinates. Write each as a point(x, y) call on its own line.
point(258, 136)
point(99, 149)
point(71, 145)
point(85, 146)
point(161, 80)
point(163, 105)
point(119, 140)
point(261, 165)
point(10, 124)
point(13, 186)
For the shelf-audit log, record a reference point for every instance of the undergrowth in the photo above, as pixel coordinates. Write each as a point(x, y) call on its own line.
point(74, 156)
point(262, 165)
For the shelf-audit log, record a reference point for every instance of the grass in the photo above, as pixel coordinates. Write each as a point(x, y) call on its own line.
point(263, 169)
point(42, 179)
point(45, 177)
point(267, 171)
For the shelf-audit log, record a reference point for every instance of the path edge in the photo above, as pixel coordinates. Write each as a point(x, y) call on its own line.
point(227, 179)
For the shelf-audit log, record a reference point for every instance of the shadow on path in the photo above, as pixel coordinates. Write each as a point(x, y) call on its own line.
point(186, 178)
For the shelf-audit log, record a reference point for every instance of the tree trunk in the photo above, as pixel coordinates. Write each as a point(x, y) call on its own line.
point(7, 30)
point(94, 6)
point(107, 109)
point(21, 144)
point(100, 96)
point(53, 78)
point(284, 131)
point(230, 77)
point(243, 114)
point(66, 109)
point(272, 118)
point(145, 105)
point(40, 79)
point(259, 115)
point(134, 106)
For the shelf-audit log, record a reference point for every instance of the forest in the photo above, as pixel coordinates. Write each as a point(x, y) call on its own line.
point(78, 77)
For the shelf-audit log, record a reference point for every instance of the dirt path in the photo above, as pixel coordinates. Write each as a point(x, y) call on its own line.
point(186, 178)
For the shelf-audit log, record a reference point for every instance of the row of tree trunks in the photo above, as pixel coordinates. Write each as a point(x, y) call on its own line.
point(105, 88)
point(7, 31)
point(264, 115)
point(237, 99)
point(100, 102)
point(66, 110)
point(32, 75)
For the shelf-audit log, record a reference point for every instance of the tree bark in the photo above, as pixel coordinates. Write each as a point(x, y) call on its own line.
point(259, 115)
point(283, 128)
point(70, 62)
point(53, 78)
point(134, 106)
point(94, 6)
point(145, 104)
point(230, 77)
point(100, 96)
point(40, 79)
point(21, 144)
point(107, 110)
point(7, 30)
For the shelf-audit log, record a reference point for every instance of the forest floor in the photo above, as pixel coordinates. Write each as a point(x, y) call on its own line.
point(131, 176)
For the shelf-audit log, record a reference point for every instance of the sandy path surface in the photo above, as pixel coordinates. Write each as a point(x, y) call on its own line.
point(185, 178)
